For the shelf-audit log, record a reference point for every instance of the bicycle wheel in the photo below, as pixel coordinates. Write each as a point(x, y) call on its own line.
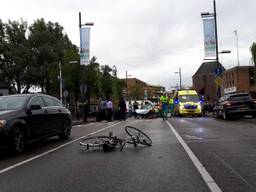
point(96, 141)
point(143, 137)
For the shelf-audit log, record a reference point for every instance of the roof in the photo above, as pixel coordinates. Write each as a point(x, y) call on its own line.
point(239, 68)
point(208, 67)
point(187, 92)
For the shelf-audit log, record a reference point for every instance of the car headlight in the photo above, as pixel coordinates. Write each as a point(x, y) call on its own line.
point(199, 106)
point(181, 106)
point(2, 123)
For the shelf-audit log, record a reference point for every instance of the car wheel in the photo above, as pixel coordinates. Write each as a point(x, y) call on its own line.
point(18, 141)
point(66, 130)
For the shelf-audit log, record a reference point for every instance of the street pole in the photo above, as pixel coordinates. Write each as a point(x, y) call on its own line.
point(216, 31)
point(237, 48)
point(180, 77)
point(126, 83)
point(218, 94)
point(60, 78)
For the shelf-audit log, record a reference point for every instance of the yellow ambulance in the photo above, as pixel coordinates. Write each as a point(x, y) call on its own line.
point(187, 102)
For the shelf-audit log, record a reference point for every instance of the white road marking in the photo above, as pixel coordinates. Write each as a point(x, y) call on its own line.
point(52, 150)
point(204, 173)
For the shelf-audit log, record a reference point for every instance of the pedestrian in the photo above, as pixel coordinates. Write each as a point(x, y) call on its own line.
point(135, 106)
point(122, 108)
point(164, 105)
point(109, 107)
point(171, 106)
point(130, 108)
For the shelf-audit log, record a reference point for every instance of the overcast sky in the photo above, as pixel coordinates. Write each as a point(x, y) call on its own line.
point(151, 39)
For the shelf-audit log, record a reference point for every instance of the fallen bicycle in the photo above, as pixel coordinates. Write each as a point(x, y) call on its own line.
point(135, 137)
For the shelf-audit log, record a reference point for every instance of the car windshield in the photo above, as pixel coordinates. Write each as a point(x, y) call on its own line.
point(240, 97)
point(12, 102)
point(188, 98)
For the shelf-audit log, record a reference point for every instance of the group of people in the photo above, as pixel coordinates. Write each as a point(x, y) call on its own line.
point(167, 105)
point(107, 109)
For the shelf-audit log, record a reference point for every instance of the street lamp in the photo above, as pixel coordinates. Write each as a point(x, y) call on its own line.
point(179, 72)
point(83, 85)
point(214, 15)
point(237, 48)
point(60, 78)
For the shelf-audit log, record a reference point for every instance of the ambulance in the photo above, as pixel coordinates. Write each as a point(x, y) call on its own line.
point(187, 102)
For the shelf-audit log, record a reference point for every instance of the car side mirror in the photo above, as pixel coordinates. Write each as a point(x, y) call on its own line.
point(35, 107)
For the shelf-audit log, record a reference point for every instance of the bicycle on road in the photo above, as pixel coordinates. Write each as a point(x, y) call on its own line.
point(134, 136)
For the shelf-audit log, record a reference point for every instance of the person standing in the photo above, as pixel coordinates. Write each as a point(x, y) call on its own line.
point(164, 105)
point(122, 107)
point(135, 106)
point(130, 108)
point(171, 106)
point(109, 106)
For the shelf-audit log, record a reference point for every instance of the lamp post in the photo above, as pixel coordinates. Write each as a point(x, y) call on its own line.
point(60, 78)
point(214, 15)
point(179, 72)
point(237, 50)
point(83, 86)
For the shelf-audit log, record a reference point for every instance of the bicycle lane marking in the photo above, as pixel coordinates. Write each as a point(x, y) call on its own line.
point(201, 169)
point(52, 150)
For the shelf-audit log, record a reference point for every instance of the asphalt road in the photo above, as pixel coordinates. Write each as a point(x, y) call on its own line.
point(226, 149)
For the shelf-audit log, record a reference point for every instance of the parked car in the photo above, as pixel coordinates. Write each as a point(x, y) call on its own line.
point(26, 118)
point(235, 105)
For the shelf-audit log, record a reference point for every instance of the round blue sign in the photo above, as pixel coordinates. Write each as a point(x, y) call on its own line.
point(218, 71)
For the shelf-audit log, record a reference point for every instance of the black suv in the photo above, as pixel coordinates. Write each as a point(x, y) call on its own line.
point(26, 118)
point(235, 105)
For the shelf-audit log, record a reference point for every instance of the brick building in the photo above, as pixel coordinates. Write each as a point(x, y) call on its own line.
point(137, 89)
point(204, 80)
point(239, 79)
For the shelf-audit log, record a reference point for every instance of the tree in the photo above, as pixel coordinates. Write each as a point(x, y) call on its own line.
point(106, 80)
point(15, 52)
point(48, 45)
point(253, 51)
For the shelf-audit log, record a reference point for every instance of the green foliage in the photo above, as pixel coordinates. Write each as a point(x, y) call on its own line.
point(253, 51)
point(15, 52)
point(30, 56)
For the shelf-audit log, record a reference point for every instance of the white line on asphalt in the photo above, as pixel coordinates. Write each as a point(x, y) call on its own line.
point(52, 150)
point(204, 173)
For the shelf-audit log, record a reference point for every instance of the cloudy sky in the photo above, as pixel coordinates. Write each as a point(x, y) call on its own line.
point(151, 39)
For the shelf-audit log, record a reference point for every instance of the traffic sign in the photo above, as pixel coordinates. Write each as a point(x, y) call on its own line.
point(218, 71)
point(218, 81)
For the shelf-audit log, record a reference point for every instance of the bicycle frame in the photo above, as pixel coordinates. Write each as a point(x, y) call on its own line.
point(136, 137)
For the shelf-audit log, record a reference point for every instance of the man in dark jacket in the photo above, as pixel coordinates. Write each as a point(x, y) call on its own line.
point(122, 108)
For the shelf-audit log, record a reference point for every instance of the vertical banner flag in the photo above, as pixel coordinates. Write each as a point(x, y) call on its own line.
point(209, 37)
point(84, 45)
